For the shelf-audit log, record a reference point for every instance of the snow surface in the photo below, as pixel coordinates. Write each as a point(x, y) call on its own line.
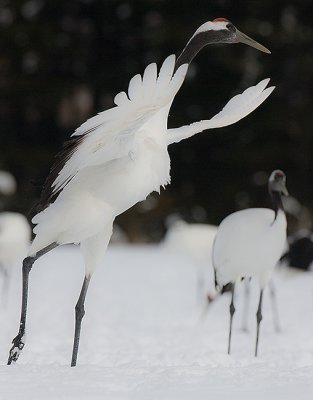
point(143, 338)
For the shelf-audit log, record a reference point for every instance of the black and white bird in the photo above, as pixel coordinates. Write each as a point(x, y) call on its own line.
point(249, 243)
point(118, 157)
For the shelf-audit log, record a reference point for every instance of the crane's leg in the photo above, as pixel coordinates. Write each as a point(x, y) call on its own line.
point(274, 306)
point(79, 314)
point(258, 320)
point(245, 314)
point(93, 250)
point(19, 340)
point(232, 312)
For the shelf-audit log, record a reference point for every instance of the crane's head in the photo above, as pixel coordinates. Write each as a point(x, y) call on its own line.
point(277, 182)
point(220, 30)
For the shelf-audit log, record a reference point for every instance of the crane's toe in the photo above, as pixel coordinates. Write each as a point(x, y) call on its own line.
point(18, 345)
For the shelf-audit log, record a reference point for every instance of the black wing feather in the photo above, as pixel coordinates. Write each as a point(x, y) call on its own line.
point(69, 147)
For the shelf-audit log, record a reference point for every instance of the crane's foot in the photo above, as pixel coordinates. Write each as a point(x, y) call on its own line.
point(18, 345)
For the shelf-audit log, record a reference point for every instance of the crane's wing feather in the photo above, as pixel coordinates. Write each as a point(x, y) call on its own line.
point(110, 135)
point(237, 108)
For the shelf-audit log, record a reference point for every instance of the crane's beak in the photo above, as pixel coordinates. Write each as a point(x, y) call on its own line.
point(242, 38)
point(284, 191)
point(281, 186)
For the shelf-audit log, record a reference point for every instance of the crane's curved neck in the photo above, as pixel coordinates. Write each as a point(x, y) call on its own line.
point(277, 202)
point(197, 42)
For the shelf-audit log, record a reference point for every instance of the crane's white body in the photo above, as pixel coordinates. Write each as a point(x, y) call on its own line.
point(15, 235)
point(195, 242)
point(192, 240)
point(122, 158)
point(249, 243)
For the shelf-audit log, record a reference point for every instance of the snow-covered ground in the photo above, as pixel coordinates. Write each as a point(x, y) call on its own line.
point(142, 337)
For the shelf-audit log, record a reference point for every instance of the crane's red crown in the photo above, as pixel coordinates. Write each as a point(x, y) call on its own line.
point(220, 20)
point(279, 174)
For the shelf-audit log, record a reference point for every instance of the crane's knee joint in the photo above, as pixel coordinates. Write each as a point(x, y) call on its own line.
point(28, 263)
point(80, 311)
point(232, 309)
point(259, 316)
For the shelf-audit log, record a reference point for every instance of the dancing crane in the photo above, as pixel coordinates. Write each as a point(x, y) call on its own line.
point(120, 156)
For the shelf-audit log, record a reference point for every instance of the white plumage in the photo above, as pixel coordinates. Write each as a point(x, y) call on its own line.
point(249, 243)
point(7, 183)
point(15, 234)
point(237, 108)
point(118, 157)
point(195, 242)
point(124, 158)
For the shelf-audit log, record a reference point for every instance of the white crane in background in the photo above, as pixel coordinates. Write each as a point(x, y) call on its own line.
point(118, 157)
point(195, 242)
point(249, 243)
point(7, 183)
point(15, 233)
point(15, 236)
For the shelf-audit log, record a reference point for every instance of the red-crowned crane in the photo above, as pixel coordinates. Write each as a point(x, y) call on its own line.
point(249, 243)
point(118, 157)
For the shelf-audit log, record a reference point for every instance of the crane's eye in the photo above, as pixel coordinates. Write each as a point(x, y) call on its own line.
point(231, 27)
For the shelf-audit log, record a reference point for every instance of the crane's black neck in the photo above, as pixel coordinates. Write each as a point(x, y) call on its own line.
point(276, 201)
point(197, 42)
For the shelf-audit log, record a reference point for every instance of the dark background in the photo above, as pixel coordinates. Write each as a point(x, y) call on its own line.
point(63, 61)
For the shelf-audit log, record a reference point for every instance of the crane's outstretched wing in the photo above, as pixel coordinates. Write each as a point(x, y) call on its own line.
point(237, 108)
point(110, 135)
